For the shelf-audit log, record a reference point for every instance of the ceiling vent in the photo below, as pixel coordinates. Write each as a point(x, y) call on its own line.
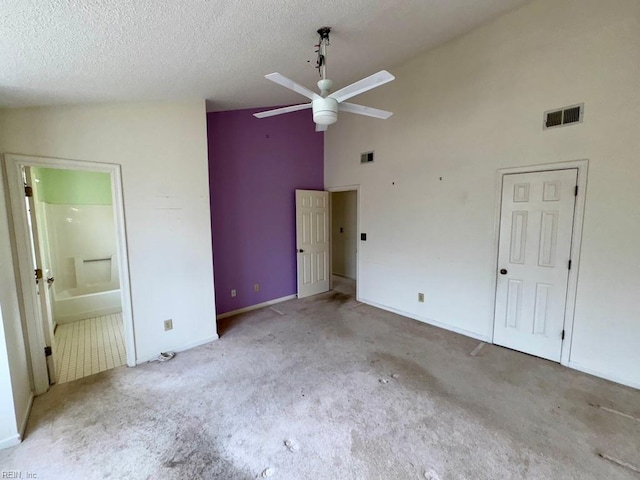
point(564, 116)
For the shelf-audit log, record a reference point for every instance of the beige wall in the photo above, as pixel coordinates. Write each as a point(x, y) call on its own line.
point(476, 105)
point(162, 149)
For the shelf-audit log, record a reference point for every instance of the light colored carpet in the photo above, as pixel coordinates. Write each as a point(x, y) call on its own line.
point(357, 392)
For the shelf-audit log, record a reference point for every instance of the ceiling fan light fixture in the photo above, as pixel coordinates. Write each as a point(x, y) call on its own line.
point(326, 105)
point(325, 111)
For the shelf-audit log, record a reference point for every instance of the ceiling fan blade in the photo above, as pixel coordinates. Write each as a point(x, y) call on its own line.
point(362, 110)
point(280, 111)
point(321, 128)
point(291, 85)
point(362, 86)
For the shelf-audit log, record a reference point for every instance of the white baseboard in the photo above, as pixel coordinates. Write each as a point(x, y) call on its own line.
point(343, 275)
point(606, 376)
point(255, 307)
point(429, 321)
point(14, 440)
point(573, 365)
point(182, 348)
point(25, 419)
point(11, 441)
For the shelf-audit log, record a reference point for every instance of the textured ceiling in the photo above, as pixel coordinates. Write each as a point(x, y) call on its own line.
point(84, 51)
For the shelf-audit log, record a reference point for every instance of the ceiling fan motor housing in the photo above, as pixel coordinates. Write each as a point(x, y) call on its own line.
point(325, 111)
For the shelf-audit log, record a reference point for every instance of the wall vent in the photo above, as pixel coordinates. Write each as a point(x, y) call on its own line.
point(366, 157)
point(564, 116)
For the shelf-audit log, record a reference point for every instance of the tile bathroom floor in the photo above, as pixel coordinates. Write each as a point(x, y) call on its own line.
point(89, 346)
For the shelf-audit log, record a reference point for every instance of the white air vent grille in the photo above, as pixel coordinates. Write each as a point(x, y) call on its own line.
point(571, 115)
point(366, 157)
point(563, 116)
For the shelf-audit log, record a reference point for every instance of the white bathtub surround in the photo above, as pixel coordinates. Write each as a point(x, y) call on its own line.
point(79, 303)
point(89, 346)
point(82, 241)
point(95, 272)
point(79, 240)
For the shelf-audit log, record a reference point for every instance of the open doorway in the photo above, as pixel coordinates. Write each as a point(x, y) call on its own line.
point(69, 228)
point(344, 241)
point(74, 223)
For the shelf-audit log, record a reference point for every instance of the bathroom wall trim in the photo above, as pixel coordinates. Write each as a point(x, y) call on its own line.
point(14, 165)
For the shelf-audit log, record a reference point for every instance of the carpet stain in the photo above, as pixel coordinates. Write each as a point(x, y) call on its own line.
point(414, 375)
point(339, 298)
point(448, 395)
point(194, 454)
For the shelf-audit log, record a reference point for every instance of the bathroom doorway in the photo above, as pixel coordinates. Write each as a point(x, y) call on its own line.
point(344, 240)
point(77, 240)
point(79, 308)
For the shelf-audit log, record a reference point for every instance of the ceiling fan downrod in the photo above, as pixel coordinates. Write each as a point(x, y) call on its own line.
point(321, 63)
point(325, 109)
point(324, 84)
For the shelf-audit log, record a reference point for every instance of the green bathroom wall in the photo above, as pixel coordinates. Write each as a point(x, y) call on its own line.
point(73, 187)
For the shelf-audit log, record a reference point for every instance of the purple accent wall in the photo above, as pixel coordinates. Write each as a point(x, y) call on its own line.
point(255, 166)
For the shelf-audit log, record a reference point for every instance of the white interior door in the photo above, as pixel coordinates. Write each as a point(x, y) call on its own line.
point(536, 224)
point(44, 283)
point(312, 241)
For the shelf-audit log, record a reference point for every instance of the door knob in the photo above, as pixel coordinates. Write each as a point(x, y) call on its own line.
point(50, 280)
point(503, 271)
point(301, 251)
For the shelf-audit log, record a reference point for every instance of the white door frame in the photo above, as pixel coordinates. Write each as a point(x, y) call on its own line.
point(44, 288)
point(576, 241)
point(14, 165)
point(347, 188)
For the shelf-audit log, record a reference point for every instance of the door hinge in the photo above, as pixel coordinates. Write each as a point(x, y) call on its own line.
point(562, 334)
point(576, 191)
point(28, 191)
point(569, 266)
point(47, 351)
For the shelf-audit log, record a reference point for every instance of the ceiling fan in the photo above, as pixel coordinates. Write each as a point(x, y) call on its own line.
point(325, 105)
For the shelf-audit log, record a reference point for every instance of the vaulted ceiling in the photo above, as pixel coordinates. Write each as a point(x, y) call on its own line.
point(84, 51)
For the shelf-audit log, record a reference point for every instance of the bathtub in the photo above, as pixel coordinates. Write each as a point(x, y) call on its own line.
point(79, 303)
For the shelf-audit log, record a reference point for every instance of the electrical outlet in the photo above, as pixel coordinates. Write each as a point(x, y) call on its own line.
point(233, 292)
point(421, 297)
point(168, 325)
point(256, 287)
